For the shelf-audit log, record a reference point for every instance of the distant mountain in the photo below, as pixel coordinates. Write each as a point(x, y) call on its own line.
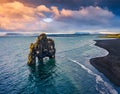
point(13, 34)
point(50, 35)
point(36, 34)
point(19, 34)
point(66, 35)
point(82, 33)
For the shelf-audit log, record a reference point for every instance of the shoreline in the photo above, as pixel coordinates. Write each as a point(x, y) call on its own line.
point(109, 65)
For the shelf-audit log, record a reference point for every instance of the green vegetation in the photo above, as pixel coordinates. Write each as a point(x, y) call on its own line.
point(111, 36)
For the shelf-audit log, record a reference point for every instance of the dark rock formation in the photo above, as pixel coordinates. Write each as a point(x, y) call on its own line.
point(43, 47)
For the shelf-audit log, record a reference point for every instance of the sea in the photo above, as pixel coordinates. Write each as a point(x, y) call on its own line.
point(70, 72)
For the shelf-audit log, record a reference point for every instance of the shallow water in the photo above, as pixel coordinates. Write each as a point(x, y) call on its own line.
point(70, 73)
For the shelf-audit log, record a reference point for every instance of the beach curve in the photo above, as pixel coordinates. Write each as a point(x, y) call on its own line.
point(109, 65)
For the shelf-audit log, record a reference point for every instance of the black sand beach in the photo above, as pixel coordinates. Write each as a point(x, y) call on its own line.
point(109, 65)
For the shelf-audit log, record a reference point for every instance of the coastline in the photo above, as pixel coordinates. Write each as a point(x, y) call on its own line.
point(109, 65)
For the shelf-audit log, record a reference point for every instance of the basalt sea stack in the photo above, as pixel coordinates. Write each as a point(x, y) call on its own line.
point(43, 47)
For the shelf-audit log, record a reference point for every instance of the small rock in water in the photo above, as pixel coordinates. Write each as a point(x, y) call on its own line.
point(43, 47)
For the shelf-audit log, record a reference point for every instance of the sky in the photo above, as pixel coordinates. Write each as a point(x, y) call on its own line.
point(60, 16)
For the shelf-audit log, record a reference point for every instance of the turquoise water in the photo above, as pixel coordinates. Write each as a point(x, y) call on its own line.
point(70, 73)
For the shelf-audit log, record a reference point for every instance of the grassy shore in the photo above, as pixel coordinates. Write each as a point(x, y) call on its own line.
point(111, 36)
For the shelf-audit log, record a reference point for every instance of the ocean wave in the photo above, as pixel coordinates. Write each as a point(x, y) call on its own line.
point(100, 83)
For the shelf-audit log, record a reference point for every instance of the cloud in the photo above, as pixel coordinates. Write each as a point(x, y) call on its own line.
point(14, 15)
point(66, 13)
point(18, 16)
point(55, 10)
point(43, 8)
point(87, 14)
point(86, 18)
point(112, 5)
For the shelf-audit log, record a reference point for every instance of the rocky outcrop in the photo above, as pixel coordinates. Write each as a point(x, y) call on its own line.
point(43, 47)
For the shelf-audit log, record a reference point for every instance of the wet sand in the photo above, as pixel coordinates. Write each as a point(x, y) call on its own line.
point(109, 65)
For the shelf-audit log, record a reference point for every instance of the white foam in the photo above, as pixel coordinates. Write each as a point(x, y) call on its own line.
point(108, 89)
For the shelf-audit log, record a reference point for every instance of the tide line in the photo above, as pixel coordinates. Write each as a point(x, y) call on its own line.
point(108, 89)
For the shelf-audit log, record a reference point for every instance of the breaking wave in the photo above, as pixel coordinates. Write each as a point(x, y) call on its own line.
point(100, 83)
